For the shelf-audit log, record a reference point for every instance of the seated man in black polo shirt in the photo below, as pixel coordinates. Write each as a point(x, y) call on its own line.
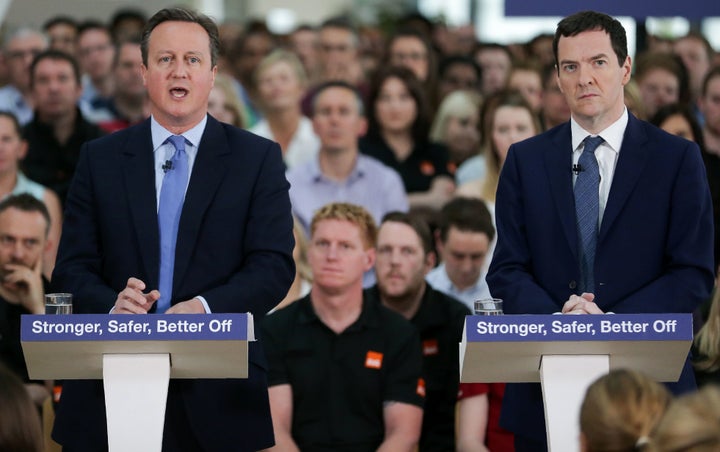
point(344, 370)
point(404, 256)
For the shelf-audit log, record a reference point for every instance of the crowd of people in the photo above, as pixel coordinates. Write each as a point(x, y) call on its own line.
point(393, 143)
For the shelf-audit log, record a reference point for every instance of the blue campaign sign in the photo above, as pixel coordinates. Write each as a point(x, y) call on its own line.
point(152, 327)
point(554, 328)
point(691, 9)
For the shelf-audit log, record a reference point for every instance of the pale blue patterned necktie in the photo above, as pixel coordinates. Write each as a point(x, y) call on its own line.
point(587, 211)
point(172, 194)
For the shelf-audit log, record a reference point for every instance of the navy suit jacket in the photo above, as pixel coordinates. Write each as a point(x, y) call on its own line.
point(234, 248)
point(654, 250)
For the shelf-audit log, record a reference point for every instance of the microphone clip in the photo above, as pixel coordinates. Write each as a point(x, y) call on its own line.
point(167, 166)
point(577, 168)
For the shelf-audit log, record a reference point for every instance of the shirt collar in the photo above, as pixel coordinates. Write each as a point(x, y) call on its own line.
point(613, 134)
point(160, 134)
point(357, 172)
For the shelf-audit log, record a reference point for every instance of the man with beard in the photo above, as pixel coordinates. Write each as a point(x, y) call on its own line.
point(404, 255)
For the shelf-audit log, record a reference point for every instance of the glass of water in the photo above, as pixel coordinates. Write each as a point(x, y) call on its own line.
point(58, 303)
point(489, 306)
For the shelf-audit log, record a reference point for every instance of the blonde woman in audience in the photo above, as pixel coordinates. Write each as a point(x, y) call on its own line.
point(280, 84)
point(620, 410)
point(633, 100)
point(506, 118)
point(224, 104)
point(456, 125)
point(20, 429)
point(303, 275)
point(691, 424)
point(706, 347)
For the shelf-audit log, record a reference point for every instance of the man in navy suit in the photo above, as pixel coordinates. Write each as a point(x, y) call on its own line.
point(233, 250)
point(649, 246)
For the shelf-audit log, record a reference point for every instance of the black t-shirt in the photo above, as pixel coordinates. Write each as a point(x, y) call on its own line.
point(341, 381)
point(424, 163)
point(439, 321)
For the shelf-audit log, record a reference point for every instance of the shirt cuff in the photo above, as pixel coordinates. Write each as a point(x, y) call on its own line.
point(205, 304)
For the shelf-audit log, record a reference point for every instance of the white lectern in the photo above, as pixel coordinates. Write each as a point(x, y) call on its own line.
point(136, 355)
point(565, 353)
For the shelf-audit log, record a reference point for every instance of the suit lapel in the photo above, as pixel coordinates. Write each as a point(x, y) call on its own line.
point(558, 166)
point(139, 178)
point(207, 173)
point(632, 160)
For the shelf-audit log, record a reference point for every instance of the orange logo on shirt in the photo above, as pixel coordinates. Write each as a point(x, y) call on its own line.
point(430, 347)
point(421, 387)
point(373, 360)
point(427, 168)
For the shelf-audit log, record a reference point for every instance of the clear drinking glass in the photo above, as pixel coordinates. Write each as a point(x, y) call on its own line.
point(489, 306)
point(58, 303)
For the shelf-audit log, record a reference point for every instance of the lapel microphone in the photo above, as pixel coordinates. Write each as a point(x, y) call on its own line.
point(167, 166)
point(576, 168)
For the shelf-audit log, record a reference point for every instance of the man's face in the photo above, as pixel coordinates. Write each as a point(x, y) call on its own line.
point(22, 238)
point(179, 74)
point(591, 79)
point(305, 45)
point(55, 89)
point(338, 256)
point(336, 119)
point(695, 58)
point(337, 48)
point(459, 76)
point(658, 88)
point(63, 37)
point(401, 262)
point(710, 105)
point(12, 147)
point(410, 52)
point(128, 71)
point(464, 255)
point(19, 54)
point(96, 53)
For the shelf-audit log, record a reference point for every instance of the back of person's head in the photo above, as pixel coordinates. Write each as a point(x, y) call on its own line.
point(467, 215)
point(620, 410)
point(352, 213)
point(691, 424)
point(707, 340)
point(20, 429)
point(584, 21)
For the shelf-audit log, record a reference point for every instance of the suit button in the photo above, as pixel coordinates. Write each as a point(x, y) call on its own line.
point(572, 285)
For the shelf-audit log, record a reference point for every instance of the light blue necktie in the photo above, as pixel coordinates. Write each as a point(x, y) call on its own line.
point(587, 211)
point(172, 194)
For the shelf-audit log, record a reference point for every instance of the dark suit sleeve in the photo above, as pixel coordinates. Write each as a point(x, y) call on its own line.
point(510, 275)
point(267, 269)
point(688, 274)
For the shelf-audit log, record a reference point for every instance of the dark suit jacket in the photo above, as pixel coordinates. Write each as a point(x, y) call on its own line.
point(655, 245)
point(234, 247)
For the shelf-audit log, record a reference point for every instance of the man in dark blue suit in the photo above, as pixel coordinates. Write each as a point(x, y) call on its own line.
point(232, 243)
point(637, 241)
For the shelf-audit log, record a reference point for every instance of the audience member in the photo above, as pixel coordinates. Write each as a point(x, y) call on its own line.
point(58, 128)
point(303, 273)
point(410, 48)
point(620, 410)
point(128, 103)
point(495, 60)
point(706, 347)
point(629, 249)
point(662, 80)
point(697, 56)
point(506, 118)
point(478, 426)
point(457, 126)
point(13, 149)
point(458, 73)
point(127, 24)
point(223, 102)
point(344, 369)
point(691, 424)
point(340, 173)
point(540, 49)
point(20, 48)
point(305, 43)
point(96, 53)
point(20, 429)
point(62, 32)
point(633, 100)
point(526, 78)
point(398, 124)
point(24, 226)
point(280, 83)
point(463, 241)
point(554, 109)
point(404, 255)
point(709, 103)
